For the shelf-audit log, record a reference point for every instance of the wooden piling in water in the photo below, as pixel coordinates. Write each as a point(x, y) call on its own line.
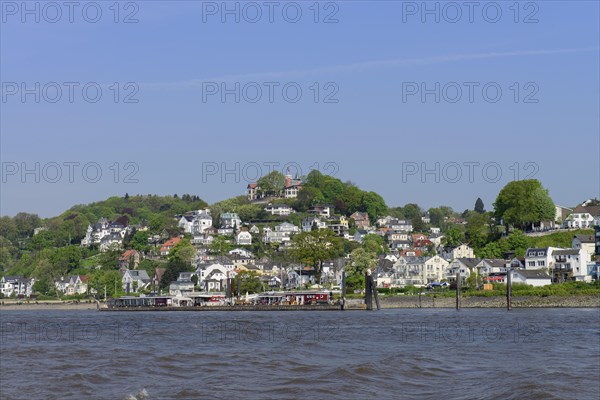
point(508, 290)
point(368, 294)
point(343, 305)
point(458, 290)
point(374, 291)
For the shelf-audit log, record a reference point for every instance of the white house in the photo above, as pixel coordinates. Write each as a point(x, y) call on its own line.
point(230, 220)
point(104, 233)
point(409, 271)
point(201, 222)
point(203, 239)
point(133, 280)
point(579, 220)
point(539, 258)
point(71, 285)
point(401, 225)
point(287, 227)
point(279, 209)
point(530, 277)
point(570, 264)
point(182, 285)
point(463, 266)
point(243, 238)
point(17, 285)
point(492, 270)
point(239, 252)
point(309, 222)
point(585, 242)
point(461, 251)
point(435, 269)
point(276, 237)
point(322, 211)
point(213, 277)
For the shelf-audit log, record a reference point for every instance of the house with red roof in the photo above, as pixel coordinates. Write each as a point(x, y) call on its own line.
point(168, 245)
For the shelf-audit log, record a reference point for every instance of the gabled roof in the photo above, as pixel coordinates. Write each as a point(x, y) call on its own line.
point(532, 274)
point(593, 210)
point(495, 262)
point(585, 238)
point(469, 262)
point(565, 252)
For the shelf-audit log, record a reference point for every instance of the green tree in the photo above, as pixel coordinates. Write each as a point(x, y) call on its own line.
point(110, 258)
point(139, 241)
point(479, 207)
point(412, 211)
point(518, 242)
point(272, 184)
point(174, 267)
point(182, 252)
point(477, 230)
point(66, 259)
point(350, 200)
point(315, 247)
point(249, 282)
point(373, 204)
point(360, 261)
point(523, 203)
point(220, 245)
point(453, 237)
point(374, 244)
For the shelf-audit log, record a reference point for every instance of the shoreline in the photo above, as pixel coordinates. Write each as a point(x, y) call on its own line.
point(575, 301)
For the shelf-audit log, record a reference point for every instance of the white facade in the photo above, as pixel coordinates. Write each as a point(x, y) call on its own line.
point(435, 269)
point(579, 220)
point(243, 238)
point(539, 258)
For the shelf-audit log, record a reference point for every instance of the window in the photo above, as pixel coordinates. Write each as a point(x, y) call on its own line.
point(532, 263)
point(541, 263)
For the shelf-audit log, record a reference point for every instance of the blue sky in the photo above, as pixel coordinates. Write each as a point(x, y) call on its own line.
point(544, 124)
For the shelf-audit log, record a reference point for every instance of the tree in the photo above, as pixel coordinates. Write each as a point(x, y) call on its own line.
point(523, 203)
point(139, 241)
point(373, 204)
point(183, 252)
point(360, 261)
point(436, 216)
point(172, 271)
point(518, 242)
point(479, 207)
point(411, 211)
point(453, 237)
point(272, 184)
point(417, 224)
point(249, 282)
point(350, 200)
point(65, 259)
point(374, 244)
point(220, 246)
point(315, 247)
point(477, 232)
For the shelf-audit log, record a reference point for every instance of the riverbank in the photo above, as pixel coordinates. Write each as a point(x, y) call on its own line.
point(579, 301)
point(586, 301)
point(8, 305)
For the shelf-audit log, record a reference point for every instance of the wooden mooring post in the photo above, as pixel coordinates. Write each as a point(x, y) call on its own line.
point(370, 291)
point(343, 304)
point(509, 289)
point(458, 290)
